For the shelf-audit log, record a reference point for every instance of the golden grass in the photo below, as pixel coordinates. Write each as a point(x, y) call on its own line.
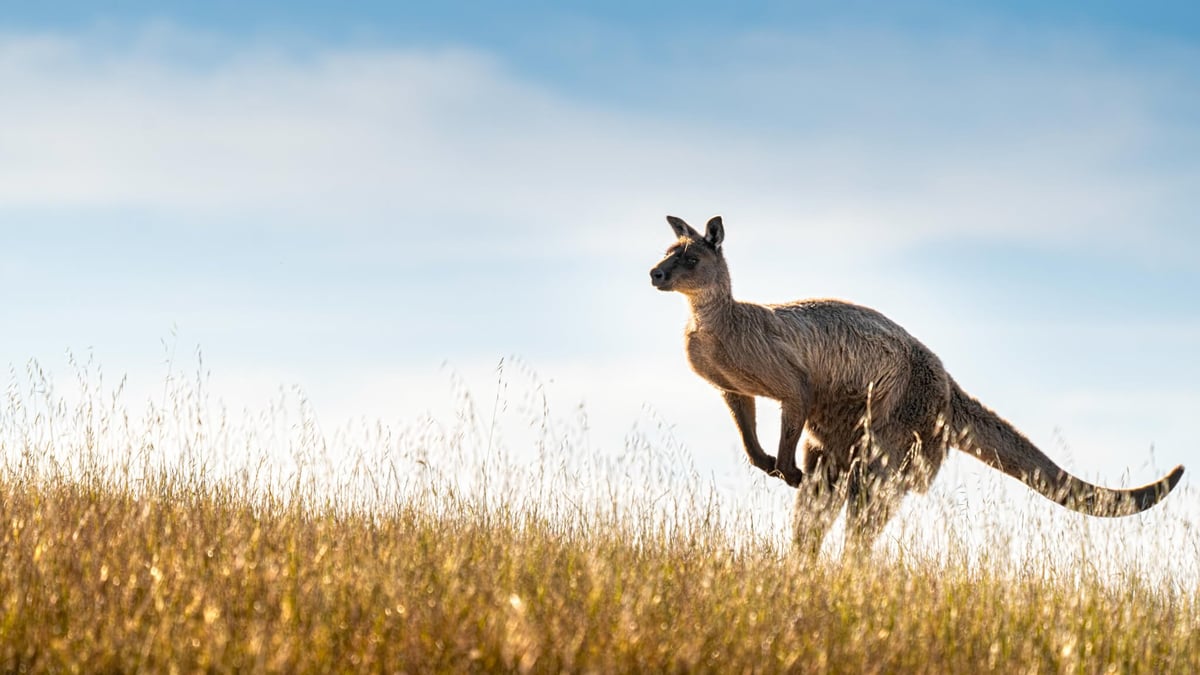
point(113, 562)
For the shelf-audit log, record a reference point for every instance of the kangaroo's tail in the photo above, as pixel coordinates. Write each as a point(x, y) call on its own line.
point(984, 435)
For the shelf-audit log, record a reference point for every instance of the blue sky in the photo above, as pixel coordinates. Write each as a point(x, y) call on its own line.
point(344, 197)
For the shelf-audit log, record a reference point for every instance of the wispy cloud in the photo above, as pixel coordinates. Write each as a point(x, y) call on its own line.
point(866, 134)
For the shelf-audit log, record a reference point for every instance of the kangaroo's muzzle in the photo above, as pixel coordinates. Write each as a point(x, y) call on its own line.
point(659, 278)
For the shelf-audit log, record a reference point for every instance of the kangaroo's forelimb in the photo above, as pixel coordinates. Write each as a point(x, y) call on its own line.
point(742, 408)
point(793, 416)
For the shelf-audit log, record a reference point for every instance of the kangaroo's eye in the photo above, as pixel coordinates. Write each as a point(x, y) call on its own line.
point(690, 261)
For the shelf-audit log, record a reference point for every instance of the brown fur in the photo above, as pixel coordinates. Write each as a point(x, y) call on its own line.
point(875, 408)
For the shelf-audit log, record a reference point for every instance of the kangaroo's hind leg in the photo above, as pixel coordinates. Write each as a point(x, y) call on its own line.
point(878, 480)
point(819, 499)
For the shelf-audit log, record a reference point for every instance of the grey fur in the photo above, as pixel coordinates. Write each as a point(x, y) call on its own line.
point(875, 408)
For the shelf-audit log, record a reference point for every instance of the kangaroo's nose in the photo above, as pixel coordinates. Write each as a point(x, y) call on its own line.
point(657, 275)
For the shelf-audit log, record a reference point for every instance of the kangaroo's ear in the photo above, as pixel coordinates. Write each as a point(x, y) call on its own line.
point(715, 232)
point(682, 229)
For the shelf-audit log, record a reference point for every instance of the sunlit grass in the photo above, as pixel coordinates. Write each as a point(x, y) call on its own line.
point(184, 537)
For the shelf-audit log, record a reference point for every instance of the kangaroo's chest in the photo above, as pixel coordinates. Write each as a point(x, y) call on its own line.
point(728, 366)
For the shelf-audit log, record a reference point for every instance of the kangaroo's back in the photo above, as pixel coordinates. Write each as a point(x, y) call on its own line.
point(846, 345)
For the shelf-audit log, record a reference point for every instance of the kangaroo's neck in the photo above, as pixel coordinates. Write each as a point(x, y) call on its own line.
point(713, 309)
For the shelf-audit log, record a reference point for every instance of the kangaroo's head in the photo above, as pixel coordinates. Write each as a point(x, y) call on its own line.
point(694, 264)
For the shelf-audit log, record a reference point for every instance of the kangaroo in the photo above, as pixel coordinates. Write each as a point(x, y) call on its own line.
point(874, 406)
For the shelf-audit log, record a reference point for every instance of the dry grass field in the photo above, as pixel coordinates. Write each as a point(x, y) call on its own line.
point(150, 542)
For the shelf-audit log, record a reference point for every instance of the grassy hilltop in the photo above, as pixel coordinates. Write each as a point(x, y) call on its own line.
point(152, 544)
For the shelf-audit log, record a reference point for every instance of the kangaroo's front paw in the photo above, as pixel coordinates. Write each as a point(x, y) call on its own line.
point(764, 462)
point(791, 475)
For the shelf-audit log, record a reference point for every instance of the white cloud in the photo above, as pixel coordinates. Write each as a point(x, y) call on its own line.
point(892, 143)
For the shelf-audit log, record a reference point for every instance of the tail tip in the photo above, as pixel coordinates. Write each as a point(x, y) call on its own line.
point(1149, 495)
point(1174, 476)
